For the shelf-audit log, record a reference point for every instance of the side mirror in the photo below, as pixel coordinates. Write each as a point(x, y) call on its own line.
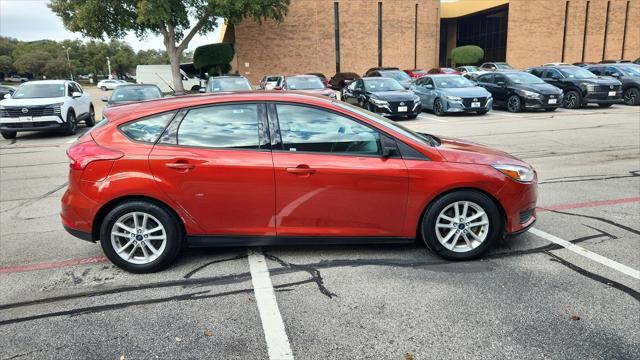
point(76, 94)
point(105, 99)
point(389, 147)
point(616, 75)
point(7, 96)
point(500, 83)
point(429, 86)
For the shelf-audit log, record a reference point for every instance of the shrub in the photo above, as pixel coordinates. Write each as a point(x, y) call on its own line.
point(468, 54)
point(213, 58)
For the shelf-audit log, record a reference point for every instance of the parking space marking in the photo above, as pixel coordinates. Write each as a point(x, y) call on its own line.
point(587, 253)
point(431, 118)
point(274, 332)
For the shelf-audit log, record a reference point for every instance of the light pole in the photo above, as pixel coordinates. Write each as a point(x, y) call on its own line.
point(68, 62)
point(109, 67)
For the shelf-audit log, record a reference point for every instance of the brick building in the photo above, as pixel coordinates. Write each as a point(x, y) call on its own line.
point(353, 35)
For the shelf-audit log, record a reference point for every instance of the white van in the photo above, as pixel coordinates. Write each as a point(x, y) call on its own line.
point(160, 75)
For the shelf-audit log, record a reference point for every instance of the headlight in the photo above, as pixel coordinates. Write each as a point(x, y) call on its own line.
point(453, 98)
point(517, 173)
point(379, 102)
point(56, 105)
point(588, 87)
point(530, 94)
point(490, 97)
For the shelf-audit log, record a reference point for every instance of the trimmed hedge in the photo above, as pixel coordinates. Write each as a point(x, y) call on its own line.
point(213, 58)
point(468, 54)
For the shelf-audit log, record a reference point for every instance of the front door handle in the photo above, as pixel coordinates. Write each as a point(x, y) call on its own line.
point(301, 170)
point(180, 166)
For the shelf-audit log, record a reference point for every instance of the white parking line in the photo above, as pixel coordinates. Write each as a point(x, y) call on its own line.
point(587, 253)
point(431, 118)
point(274, 332)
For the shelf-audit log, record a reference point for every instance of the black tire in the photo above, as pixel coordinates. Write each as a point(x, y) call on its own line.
point(71, 125)
point(514, 104)
point(632, 96)
point(91, 120)
point(172, 228)
point(550, 109)
point(438, 108)
point(104, 88)
point(572, 100)
point(482, 112)
point(604, 106)
point(195, 88)
point(428, 225)
point(8, 134)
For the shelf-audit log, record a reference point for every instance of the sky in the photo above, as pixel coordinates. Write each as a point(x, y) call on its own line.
point(30, 20)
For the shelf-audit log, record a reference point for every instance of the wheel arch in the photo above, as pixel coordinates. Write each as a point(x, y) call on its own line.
point(104, 210)
point(496, 202)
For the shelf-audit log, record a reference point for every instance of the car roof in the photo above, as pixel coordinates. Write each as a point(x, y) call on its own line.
point(136, 85)
point(137, 110)
point(47, 82)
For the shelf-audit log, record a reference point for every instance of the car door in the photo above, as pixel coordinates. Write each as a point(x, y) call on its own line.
point(486, 81)
point(429, 90)
point(84, 101)
point(553, 77)
point(501, 89)
point(215, 162)
point(331, 177)
point(418, 89)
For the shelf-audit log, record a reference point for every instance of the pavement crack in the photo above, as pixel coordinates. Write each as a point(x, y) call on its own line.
point(606, 221)
point(593, 276)
point(571, 179)
point(36, 199)
point(314, 272)
point(195, 270)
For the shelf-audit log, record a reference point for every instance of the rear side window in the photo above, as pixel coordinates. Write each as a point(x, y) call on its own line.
point(147, 129)
point(224, 126)
point(313, 130)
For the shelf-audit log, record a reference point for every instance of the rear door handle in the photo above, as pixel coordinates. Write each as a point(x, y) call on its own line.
point(180, 166)
point(301, 170)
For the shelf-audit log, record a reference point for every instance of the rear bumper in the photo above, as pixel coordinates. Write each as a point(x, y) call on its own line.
point(79, 234)
point(77, 212)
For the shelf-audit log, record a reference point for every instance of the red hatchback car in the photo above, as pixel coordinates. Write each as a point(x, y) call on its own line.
point(448, 71)
point(259, 168)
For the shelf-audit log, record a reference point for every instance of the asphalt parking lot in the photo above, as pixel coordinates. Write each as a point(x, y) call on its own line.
point(529, 298)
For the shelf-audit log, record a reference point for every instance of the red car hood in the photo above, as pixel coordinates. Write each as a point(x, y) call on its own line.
point(467, 152)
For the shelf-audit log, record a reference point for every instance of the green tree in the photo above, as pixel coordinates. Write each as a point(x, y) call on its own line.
point(468, 54)
point(6, 65)
point(152, 57)
point(169, 18)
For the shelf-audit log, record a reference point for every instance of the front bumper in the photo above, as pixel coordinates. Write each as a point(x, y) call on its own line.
point(387, 111)
point(37, 123)
point(543, 103)
point(602, 98)
point(459, 107)
point(519, 204)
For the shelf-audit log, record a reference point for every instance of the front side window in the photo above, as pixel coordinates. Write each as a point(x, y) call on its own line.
point(550, 73)
point(147, 129)
point(225, 126)
point(70, 89)
point(488, 78)
point(611, 71)
point(314, 130)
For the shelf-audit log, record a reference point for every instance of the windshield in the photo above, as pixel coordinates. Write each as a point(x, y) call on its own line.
point(449, 82)
point(577, 73)
point(304, 83)
point(523, 78)
point(504, 66)
point(135, 94)
point(228, 84)
point(34, 91)
point(396, 74)
point(389, 124)
point(382, 84)
point(630, 70)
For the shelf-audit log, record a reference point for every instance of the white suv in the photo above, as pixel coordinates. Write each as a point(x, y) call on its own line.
point(45, 105)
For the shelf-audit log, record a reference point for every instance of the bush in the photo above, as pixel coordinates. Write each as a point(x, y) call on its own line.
point(213, 58)
point(468, 54)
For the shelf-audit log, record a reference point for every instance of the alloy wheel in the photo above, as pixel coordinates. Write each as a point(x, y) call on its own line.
point(513, 104)
point(437, 107)
point(630, 96)
point(138, 237)
point(462, 226)
point(570, 100)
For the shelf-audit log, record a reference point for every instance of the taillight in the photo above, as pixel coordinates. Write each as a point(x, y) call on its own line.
point(81, 154)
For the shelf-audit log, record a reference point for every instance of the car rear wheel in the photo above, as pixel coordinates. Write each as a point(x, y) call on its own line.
point(71, 126)
point(514, 104)
point(9, 134)
point(91, 120)
point(438, 108)
point(140, 237)
point(461, 225)
point(632, 96)
point(104, 88)
point(572, 100)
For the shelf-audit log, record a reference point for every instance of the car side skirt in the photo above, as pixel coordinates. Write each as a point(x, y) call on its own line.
point(234, 240)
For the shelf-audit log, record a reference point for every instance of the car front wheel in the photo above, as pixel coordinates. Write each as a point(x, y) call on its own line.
point(514, 104)
point(572, 100)
point(140, 237)
point(91, 120)
point(438, 108)
point(71, 126)
point(9, 134)
point(461, 225)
